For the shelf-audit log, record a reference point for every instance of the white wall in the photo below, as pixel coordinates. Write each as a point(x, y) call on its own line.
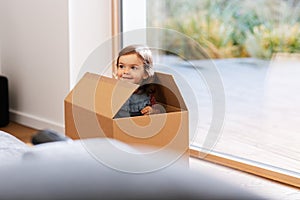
point(90, 26)
point(36, 55)
point(132, 19)
point(35, 58)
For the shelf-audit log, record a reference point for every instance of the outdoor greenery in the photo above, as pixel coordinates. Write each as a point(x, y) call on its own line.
point(231, 28)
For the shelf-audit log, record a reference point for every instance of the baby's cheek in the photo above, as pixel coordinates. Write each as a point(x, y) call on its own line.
point(119, 74)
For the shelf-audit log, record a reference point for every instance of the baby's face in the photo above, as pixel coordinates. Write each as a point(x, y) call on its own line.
point(131, 69)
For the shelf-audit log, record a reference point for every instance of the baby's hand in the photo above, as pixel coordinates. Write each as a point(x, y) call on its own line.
point(155, 109)
point(147, 110)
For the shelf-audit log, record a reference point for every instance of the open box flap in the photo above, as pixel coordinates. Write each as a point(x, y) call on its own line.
point(101, 94)
point(168, 92)
point(105, 96)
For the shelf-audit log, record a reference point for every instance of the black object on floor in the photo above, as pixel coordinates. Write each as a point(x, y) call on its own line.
point(4, 111)
point(46, 135)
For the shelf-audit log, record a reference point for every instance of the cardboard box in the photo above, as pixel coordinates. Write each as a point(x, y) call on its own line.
point(91, 106)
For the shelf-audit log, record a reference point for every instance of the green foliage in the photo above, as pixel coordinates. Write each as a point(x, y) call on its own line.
point(263, 42)
point(232, 28)
point(279, 30)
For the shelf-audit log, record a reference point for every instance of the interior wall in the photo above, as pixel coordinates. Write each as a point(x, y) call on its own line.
point(1, 22)
point(90, 27)
point(37, 58)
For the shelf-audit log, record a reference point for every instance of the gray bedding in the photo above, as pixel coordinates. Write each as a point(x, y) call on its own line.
point(11, 148)
point(70, 170)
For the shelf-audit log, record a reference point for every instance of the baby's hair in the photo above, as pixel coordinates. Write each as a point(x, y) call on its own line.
point(143, 52)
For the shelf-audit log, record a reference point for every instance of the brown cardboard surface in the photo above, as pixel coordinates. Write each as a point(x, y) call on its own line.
point(171, 94)
point(90, 108)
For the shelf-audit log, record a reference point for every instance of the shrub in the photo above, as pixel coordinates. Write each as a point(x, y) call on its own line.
point(233, 28)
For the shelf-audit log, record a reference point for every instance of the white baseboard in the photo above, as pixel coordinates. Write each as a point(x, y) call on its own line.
point(35, 122)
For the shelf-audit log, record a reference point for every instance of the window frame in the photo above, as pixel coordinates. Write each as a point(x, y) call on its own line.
point(245, 165)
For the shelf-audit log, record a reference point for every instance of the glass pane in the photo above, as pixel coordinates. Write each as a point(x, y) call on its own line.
point(262, 100)
point(240, 40)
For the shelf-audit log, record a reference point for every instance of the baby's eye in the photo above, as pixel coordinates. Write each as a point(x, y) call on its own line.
point(121, 66)
point(134, 67)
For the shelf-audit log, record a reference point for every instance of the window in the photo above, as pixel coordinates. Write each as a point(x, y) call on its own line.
point(255, 126)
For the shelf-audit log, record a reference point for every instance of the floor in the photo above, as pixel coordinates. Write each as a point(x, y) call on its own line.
point(260, 186)
point(265, 188)
point(21, 132)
